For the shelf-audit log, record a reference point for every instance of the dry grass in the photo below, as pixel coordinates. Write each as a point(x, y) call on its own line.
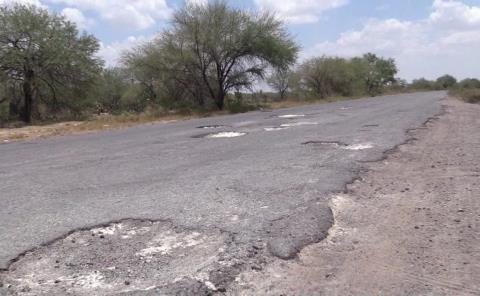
point(469, 95)
point(107, 122)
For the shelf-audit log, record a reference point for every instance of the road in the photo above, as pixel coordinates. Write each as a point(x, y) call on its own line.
point(237, 201)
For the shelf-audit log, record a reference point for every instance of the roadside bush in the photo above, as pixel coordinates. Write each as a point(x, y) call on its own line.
point(422, 84)
point(239, 106)
point(469, 95)
point(4, 112)
point(469, 83)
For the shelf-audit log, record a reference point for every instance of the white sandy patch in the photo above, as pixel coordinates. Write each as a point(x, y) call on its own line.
point(210, 286)
point(298, 124)
point(273, 129)
point(345, 108)
point(167, 242)
point(226, 135)
point(359, 146)
point(291, 116)
point(92, 280)
point(109, 230)
point(340, 206)
point(134, 231)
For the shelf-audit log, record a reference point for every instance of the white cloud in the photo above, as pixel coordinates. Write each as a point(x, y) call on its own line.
point(124, 14)
point(299, 11)
point(454, 14)
point(76, 16)
point(447, 41)
point(112, 52)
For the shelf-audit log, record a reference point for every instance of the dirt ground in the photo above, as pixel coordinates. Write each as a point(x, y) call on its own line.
point(409, 227)
point(32, 132)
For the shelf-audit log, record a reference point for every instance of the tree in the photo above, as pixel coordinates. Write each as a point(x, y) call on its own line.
point(422, 84)
point(279, 80)
point(44, 54)
point(325, 76)
point(213, 49)
point(162, 82)
point(377, 72)
point(110, 90)
point(446, 81)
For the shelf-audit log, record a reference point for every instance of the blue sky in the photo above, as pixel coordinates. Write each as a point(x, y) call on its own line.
point(427, 38)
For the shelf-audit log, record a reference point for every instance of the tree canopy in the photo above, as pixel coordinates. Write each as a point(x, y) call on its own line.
point(213, 49)
point(44, 57)
point(327, 76)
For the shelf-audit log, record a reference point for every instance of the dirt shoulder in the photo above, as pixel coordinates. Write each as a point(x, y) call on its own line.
point(109, 122)
point(409, 227)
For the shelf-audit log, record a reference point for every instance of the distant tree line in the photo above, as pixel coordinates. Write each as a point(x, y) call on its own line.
point(444, 82)
point(322, 77)
point(211, 57)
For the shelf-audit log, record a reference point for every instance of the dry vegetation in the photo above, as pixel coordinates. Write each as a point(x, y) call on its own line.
point(468, 95)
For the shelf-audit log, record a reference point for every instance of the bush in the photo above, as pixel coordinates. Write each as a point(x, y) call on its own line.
point(4, 112)
point(469, 95)
point(238, 106)
point(469, 83)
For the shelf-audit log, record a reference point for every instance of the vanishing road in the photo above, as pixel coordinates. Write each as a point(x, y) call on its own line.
point(190, 210)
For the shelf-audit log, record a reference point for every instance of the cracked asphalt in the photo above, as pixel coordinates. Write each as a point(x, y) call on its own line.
point(259, 191)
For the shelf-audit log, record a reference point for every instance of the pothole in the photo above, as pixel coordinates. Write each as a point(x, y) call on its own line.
point(338, 144)
point(214, 126)
point(327, 143)
point(302, 227)
point(301, 123)
point(291, 116)
point(226, 135)
point(273, 129)
point(220, 135)
point(124, 257)
point(358, 146)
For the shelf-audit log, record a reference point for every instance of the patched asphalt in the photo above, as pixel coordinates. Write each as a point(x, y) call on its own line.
point(245, 199)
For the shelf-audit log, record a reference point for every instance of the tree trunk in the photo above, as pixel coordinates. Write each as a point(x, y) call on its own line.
point(28, 97)
point(220, 100)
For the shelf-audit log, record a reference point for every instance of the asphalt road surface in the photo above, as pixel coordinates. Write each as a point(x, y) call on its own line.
point(222, 204)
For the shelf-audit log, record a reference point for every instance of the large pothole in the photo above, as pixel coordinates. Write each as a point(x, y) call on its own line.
point(127, 257)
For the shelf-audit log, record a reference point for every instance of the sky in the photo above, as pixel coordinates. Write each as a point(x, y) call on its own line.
point(427, 38)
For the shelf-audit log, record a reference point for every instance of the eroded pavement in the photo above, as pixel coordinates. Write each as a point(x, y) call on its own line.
point(211, 206)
